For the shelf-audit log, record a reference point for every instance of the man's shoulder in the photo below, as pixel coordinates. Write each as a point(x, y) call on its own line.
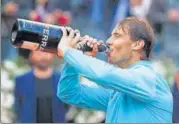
point(153, 76)
point(150, 74)
point(145, 70)
point(23, 76)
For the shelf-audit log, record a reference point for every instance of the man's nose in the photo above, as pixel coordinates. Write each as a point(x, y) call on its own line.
point(109, 42)
point(45, 54)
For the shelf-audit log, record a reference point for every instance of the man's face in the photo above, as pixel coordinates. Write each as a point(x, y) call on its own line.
point(40, 59)
point(120, 46)
point(134, 3)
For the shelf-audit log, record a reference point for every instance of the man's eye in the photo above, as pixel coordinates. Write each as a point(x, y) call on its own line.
point(117, 35)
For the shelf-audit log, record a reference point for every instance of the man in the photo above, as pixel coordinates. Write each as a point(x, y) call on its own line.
point(35, 92)
point(130, 91)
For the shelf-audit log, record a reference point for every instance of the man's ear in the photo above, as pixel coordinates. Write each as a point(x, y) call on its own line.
point(137, 45)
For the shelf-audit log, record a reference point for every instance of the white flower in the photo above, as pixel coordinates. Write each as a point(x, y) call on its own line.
point(96, 117)
point(5, 117)
point(20, 71)
point(4, 74)
point(7, 100)
point(10, 65)
point(2, 98)
point(159, 67)
point(82, 116)
point(6, 83)
point(71, 113)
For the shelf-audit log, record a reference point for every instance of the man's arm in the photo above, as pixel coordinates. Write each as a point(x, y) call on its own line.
point(72, 92)
point(139, 83)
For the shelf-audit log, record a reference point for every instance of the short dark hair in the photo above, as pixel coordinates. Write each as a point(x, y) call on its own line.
point(139, 29)
point(25, 53)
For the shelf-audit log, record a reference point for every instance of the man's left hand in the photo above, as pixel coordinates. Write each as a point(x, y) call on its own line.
point(69, 39)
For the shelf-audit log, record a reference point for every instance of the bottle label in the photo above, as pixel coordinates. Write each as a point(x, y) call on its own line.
point(44, 40)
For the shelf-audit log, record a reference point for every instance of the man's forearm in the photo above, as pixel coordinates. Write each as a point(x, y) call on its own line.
point(68, 83)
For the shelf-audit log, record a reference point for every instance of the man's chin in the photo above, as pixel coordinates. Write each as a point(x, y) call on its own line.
point(42, 67)
point(113, 62)
point(110, 61)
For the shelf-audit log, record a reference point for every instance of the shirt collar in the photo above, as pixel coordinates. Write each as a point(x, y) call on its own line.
point(142, 62)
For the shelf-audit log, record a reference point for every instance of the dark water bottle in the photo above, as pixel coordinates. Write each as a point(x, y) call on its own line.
point(35, 35)
point(40, 36)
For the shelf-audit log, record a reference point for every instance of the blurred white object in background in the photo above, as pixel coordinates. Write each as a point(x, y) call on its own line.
point(141, 9)
point(166, 68)
point(7, 98)
point(96, 117)
point(10, 65)
point(9, 70)
point(6, 83)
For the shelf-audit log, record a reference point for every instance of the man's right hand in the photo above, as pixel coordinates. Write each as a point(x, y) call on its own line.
point(91, 42)
point(70, 40)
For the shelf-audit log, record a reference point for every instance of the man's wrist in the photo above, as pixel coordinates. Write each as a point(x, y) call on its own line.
point(64, 48)
point(61, 50)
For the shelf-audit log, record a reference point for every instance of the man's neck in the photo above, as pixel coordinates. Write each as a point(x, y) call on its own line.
point(129, 62)
point(43, 74)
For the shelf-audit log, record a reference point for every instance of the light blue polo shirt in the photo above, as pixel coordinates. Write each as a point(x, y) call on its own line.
point(136, 94)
